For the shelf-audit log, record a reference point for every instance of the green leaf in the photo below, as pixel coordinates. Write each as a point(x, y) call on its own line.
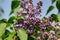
point(11, 19)
point(59, 18)
point(53, 1)
point(4, 20)
point(11, 12)
point(58, 32)
point(1, 21)
point(12, 28)
point(54, 17)
point(8, 34)
point(55, 29)
point(58, 4)
point(22, 34)
point(15, 10)
point(36, 28)
point(50, 9)
point(0, 38)
point(5, 35)
point(10, 37)
point(31, 37)
point(14, 5)
point(2, 28)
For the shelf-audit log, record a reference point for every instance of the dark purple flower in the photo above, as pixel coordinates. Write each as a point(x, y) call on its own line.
point(45, 35)
point(29, 31)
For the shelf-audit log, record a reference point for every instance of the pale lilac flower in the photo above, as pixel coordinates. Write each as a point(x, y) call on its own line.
point(52, 32)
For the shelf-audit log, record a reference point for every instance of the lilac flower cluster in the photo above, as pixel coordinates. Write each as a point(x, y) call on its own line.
point(30, 13)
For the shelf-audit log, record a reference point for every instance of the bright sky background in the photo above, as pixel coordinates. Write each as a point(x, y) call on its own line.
point(6, 5)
